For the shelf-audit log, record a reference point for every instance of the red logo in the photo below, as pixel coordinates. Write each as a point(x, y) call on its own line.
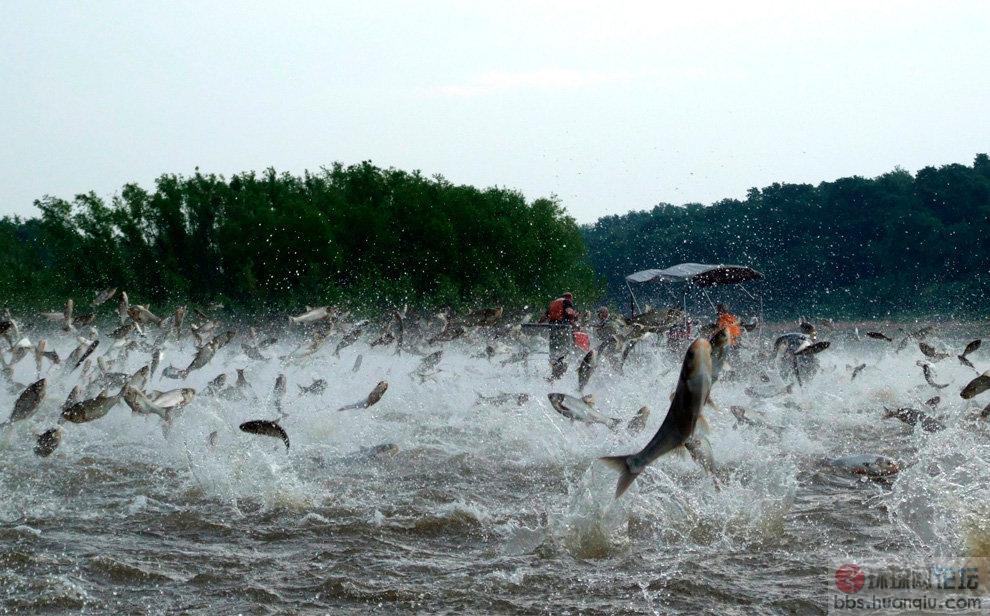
point(849, 578)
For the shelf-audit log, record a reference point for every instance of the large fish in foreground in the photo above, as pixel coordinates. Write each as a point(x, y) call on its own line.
point(693, 387)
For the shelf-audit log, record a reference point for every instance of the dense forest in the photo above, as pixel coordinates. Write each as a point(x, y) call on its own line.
point(366, 237)
point(896, 245)
point(357, 236)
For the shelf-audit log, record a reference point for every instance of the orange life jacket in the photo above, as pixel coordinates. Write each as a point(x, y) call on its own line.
point(555, 312)
point(730, 324)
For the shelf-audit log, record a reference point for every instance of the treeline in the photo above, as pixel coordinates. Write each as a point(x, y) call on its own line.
point(357, 236)
point(367, 238)
point(896, 245)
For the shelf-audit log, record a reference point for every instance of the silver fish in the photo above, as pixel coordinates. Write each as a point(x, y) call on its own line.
point(977, 386)
point(580, 410)
point(312, 315)
point(502, 399)
point(930, 377)
point(586, 368)
point(27, 403)
point(122, 308)
point(142, 316)
point(931, 353)
point(317, 387)
point(638, 423)
point(677, 429)
point(913, 416)
point(48, 441)
point(372, 399)
point(142, 405)
point(871, 465)
point(90, 410)
point(174, 398)
point(102, 297)
point(265, 428)
point(856, 371)
point(215, 386)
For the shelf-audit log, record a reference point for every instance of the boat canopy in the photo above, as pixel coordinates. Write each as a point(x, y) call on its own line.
point(698, 274)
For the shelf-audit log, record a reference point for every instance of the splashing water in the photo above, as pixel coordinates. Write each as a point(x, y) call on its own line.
point(482, 508)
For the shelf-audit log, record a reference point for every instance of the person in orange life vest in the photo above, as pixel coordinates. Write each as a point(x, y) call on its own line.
point(729, 322)
point(560, 312)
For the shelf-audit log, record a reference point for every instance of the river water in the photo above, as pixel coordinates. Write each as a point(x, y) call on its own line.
point(482, 509)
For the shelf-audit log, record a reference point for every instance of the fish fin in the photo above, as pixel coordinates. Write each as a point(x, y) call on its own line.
point(627, 476)
point(709, 402)
point(613, 423)
point(703, 424)
point(701, 452)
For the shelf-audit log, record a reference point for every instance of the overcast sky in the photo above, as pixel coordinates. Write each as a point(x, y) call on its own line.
point(610, 106)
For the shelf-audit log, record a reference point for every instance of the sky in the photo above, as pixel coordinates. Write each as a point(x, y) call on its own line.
point(611, 106)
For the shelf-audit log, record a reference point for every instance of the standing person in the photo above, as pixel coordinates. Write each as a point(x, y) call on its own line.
point(560, 312)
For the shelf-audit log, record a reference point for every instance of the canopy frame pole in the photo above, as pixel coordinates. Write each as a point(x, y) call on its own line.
point(687, 319)
point(762, 320)
point(633, 304)
point(710, 302)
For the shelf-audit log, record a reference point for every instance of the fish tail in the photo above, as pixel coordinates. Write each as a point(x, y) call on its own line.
point(626, 477)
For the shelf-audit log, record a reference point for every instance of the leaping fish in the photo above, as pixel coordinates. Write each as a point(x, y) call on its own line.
point(678, 427)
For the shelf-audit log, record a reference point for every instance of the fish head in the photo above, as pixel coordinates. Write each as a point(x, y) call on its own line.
point(130, 395)
point(556, 401)
point(885, 466)
point(719, 340)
